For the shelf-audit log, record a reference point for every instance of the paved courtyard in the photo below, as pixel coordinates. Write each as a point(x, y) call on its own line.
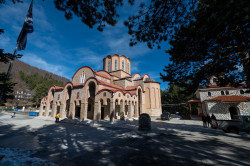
point(41, 141)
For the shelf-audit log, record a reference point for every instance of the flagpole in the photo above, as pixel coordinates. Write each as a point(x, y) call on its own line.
point(21, 44)
point(8, 74)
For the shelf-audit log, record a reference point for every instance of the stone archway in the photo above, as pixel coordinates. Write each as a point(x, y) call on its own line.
point(91, 100)
point(77, 109)
point(233, 112)
point(139, 101)
point(102, 109)
point(126, 108)
point(68, 98)
point(117, 109)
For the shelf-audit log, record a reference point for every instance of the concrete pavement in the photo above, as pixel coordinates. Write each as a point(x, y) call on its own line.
point(174, 142)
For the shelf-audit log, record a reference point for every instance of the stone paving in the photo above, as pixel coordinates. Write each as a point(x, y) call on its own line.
point(71, 142)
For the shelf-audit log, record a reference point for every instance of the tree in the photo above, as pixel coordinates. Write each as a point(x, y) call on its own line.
point(92, 12)
point(8, 88)
point(155, 21)
point(175, 99)
point(214, 43)
point(39, 85)
point(207, 36)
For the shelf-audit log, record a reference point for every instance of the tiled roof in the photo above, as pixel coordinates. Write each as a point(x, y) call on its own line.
point(75, 85)
point(149, 80)
point(109, 85)
point(194, 101)
point(230, 98)
point(215, 86)
point(128, 88)
point(102, 75)
point(58, 87)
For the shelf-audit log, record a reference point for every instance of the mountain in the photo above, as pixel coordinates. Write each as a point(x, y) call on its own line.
point(28, 70)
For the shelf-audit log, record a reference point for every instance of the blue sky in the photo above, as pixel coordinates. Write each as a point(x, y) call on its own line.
point(61, 47)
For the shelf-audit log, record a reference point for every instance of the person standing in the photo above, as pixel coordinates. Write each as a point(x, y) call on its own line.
point(213, 117)
point(13, 114)
point(57, 117)
point(203, 117)
point(208, 121)
point(214, 124)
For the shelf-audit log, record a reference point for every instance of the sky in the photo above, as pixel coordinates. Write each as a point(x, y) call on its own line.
point(62, 47)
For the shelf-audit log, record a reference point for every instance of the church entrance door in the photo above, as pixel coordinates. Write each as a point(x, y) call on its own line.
point(102, 112)
point(233, 112)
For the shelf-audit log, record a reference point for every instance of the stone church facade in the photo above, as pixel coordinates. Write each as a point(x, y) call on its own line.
point(224, 102)
point(111, 92)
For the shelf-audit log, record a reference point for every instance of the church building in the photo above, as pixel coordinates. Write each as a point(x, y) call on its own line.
point(225, 103)
point(111, 92)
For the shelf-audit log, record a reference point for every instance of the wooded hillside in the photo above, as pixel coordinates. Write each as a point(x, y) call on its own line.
point(28, 70)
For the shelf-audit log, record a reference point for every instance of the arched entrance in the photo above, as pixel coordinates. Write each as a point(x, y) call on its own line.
point(117, 109)
point(91, 100)
point(139, 102)
point(102, 109)
point(126, 108)
point(77, 109)
point(58, 108)
point(52, 93)
point(233, 112)
point(69, 91)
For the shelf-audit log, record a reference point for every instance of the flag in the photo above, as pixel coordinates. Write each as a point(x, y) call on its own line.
point(27, 28)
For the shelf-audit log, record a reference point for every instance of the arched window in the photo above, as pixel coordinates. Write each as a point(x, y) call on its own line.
point(115, 64)
point(209, 93)
point(104, 94)
point(123, 65)
point(109, 66)
point(77, 95)
point(128, 67)
point(227, 93)
point(58, 98)
point(82, 78)
point(222, 93)
point(214, 80)
point(241, 92)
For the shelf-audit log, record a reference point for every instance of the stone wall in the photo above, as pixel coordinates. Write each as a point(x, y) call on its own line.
point(87, 71)
point(221, 110)
point(245, 108)
point(214, 93)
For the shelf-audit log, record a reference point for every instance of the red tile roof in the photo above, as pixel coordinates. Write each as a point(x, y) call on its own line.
point(109, 85)
point(75, 85)
point(216, 86)
point(230, 98)
point(102, 75)
point(58, 87)
point(128, 88)
point(194, 101)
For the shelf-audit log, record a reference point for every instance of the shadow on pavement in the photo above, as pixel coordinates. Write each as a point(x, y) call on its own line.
point(70, 144)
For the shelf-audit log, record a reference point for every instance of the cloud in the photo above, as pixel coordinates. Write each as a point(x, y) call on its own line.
point(135, 66)
point(13, 16)
point(89, 57)
point(154, 75)
point(116, 39)
point(4, 40)
point(37, 61)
